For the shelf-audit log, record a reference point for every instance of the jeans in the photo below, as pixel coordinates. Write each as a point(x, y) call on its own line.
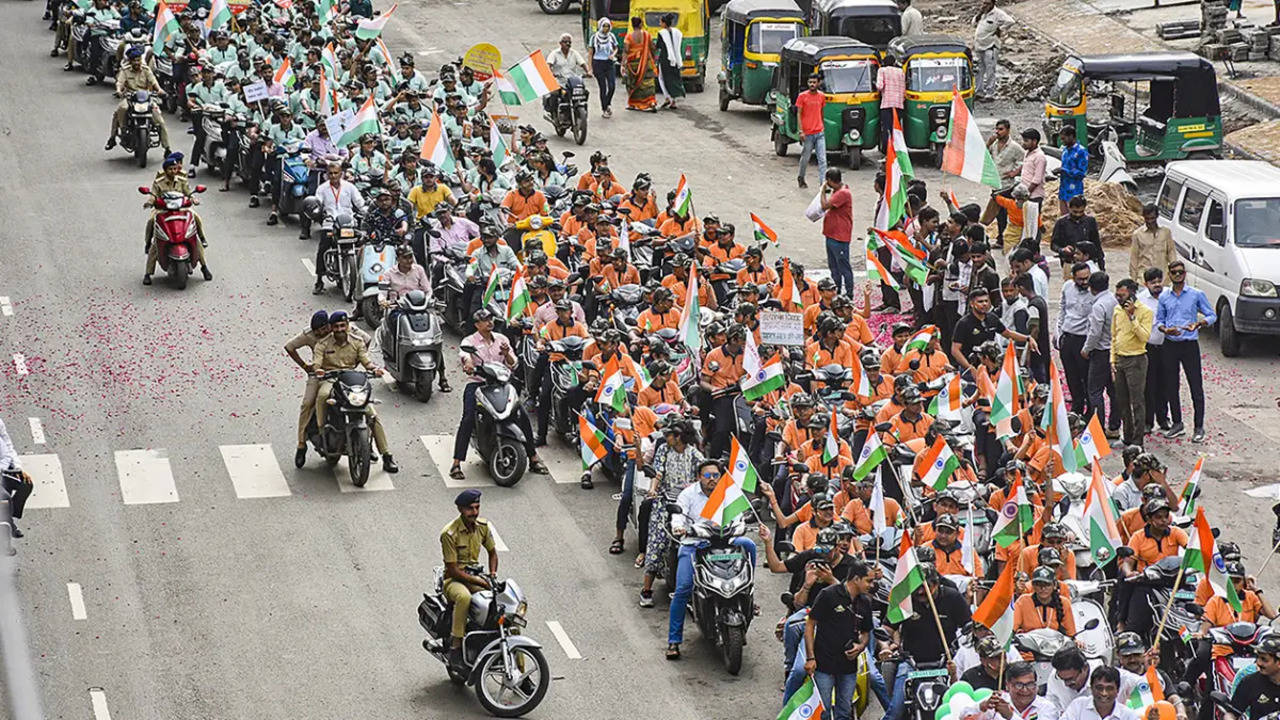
point(815, 143)
point(843, 686)
point(327, 243)
point(796, 655)
point(838, 264)
point(684, 585)
point(1184, 353)
point(988, 62)
point(898, 700)
point(1130, 397)
point(607, 80)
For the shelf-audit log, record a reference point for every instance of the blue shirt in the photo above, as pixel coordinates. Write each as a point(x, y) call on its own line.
point(1075, 165)
point(1179, 310)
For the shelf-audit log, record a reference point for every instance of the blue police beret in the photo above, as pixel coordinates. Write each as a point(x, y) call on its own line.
point(467, 497)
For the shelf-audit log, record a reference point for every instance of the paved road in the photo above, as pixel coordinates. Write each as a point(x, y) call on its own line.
point(159, 415)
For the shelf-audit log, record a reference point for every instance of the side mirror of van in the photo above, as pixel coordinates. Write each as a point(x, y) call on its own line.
point(1217, 233)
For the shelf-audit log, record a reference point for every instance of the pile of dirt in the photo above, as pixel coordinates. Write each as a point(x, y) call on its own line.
point(1118, 211)
point(1028, 63)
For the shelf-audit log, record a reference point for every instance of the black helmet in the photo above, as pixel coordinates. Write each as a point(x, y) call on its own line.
point(1269, 644)
point(1054, 530)
point(1043, 575)
point(827, 536)
point(801, 399)
point(1130, 643)
point(1049, 557)
point(1229, 551)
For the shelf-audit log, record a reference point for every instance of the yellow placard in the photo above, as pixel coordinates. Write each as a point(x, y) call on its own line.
point(483, 59)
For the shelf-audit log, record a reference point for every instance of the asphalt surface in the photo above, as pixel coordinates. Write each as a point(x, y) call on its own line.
point(193, 599)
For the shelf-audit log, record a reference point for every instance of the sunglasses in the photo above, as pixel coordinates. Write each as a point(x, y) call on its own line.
point(1177, 273)
point(710, 475)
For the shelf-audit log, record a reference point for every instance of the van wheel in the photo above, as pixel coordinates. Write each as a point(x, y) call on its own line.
point(1227, 335)
point(779, 143)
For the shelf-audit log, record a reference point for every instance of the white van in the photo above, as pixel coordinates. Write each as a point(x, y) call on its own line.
point(1225, 219)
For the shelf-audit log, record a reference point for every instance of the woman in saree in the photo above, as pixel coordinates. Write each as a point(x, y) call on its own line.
point(639, 68)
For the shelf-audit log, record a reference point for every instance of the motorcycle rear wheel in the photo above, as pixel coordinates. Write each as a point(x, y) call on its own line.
point(358, 457)
point(141, 144)
point(508, 463)
point(372, 312)
point(492, 670)
point(580, 125)
point(731, 650)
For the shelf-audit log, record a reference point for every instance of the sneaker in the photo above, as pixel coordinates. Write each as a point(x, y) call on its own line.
point(646, 598)
point(273, 219)
point(1178, 430)
point(802, 183)
point(111, 142)
point(146, 279)
point(253, 201)
point(300, 457)
point(1198, 436)
point(1163, 425)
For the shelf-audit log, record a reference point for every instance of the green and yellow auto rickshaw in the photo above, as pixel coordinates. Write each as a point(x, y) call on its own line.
point(874, 22)
point(1161, 105)
point(752, 33)
point(693, 20)
point(934, 66)
point(851, 115)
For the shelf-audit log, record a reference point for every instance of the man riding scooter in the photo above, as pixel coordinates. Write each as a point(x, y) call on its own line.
point(405, 277)
point(131, 78)
point(172, 179)
point(340, 350)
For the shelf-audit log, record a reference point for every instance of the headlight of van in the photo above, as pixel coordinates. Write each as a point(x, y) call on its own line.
point(1252, 287)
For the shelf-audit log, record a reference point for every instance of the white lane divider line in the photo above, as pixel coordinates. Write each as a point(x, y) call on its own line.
point(98, 697)
point(562, 637)
point(440, 449)
point(309, 265)
point(497, 539)
point(378, 478)
point(20, 362)
point(49, 491)
point(77, 601)
point(37, 430)
point(254, 471)
point(145, 477)
point(6, 306)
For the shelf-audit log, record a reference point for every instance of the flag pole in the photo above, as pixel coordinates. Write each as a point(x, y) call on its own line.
point(1269, 556)
point(942, 635)
point(506, 109)
point(1155, 643)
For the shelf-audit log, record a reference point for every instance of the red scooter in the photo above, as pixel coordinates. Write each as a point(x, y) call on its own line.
point(175, 233)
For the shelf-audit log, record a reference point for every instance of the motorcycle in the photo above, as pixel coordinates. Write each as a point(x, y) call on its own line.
point(1184, 612)
point(346, 428)
point(412, 343)
point(105, 36)
point(139, 134)
point(722, 602)
point(508, 670)
point(566, 375)
point(219, 124)
point(450, 281)
point(176, 234)
point(568, 110)
point(498, 437)
point(1241, 638)
point(1041, 645)
point(925, 686)
point(623, 305)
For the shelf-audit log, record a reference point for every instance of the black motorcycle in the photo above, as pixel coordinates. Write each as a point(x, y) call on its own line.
point(138, 133)
point(567, 110)
point(498, 436)
point(347, 428)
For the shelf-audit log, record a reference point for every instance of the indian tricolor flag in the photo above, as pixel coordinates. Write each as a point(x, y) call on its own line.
point(861, 383)
point(1005, 405)
point(900, 150)
point(1202, 556)
point(936, 464)
point(527, 80)
point(1016, 515)
point(592, 439)
point(966, 152)
point(691, 315)
point(328, 104)
point(1093, 443)
point(1187, 501)
point(491, 286)
point(1100, 519)
point(521, 303)
point(726, 502)
point(384, 53)
point(996, 611)
point(831, 448)
point(1055, 420)
point(683, 204)
point(365, 121)
point(893, 203)
point(789, 289)
point(744, 475)
point(497, 146)
point(907, 578)
point(763, 232)
point(872, 454)
point(613, 389)
point(946, 405)
point(284, 74)
point(1147, 692)
point(219, 15)
point(435, 146)
point(805, 703)
point(166, 27)
point(908, 256)
point(368, 29)
point(329, 60)
point(876, 271)
point(761, 378)
point(921, 339)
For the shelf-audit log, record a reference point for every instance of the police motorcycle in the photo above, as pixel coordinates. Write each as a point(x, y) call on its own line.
point(138, 133)
point(110, 64)
point(347, 429)
point(498, 437)
point(723, 598)
point(567, 109)
point(175, 234)
point(508, 670)
point(412, 342)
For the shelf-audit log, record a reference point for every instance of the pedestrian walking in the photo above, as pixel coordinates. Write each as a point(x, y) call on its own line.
point(1097, 352)
point(836, 632)
point(1130, 332)
point(1181, 313)
point(1076, 229)
point(639, 69)
point(1073, 325)
point(912, 20)
point(670, 61)
point(1075, 165)
point(991, 22)
point(1157, 404)
point(604, 53)
point(892, 84)
point(1008, 156)
point(1151, 246)
point(809, 105)
point(837, 228)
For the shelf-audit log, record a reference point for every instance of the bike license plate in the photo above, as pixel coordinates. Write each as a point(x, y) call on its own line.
point(714, 557)
point(1240, 663)
point(922, 674)
point(1185, 595)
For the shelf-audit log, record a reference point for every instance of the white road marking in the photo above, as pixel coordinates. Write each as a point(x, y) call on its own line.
point(99, 698)
point(77, 601)
point(1269, 492)
point(20, 363)
point(440, 448)
point(309, 265)
point(430, 51)
point(497, 539)
point(565, 469)
point(37, 430)
point(254, 471)
point(378, 479)
point(562, 637)
point(145, 477)
point(6, 307)
point(50, 490)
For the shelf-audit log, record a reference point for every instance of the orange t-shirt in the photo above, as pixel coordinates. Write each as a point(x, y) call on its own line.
point(1028, 560)
point(730, 371)
point(1148, 550)
point(860, 516)
point(817, 355)
point(1028, 615)
point(524, 207)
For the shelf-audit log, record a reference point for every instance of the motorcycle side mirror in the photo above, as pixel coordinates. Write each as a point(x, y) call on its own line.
point(1092, 624)
point(1223, 701)
point(631, 322)
point(467, 348)
point(673, 509)
point(1195, 609)
point(883, 427)
point(144, 190)
point(1124, 551)
point(713, 367)
point(201, 188)
point(588, 365)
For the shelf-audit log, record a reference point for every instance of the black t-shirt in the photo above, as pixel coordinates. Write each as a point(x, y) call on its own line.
point(979, 678)
point(840, 619)
point(1258, 695)
point(1042, 332)
point(796, 565)
point(970, 332)
point(920, 633)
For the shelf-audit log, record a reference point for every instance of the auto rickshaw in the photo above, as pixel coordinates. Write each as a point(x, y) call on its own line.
point(851, 115)
point(693, 20)
point(752, 33)
point(934, 66)
point(1162, 105)
point(874, 22)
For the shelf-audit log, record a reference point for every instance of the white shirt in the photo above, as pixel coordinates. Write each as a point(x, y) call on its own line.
point(8, 455)
point(967, 657)
point(691, 501)
point(565, 66)
point(912, 22)
point(1039, 709)
point(1038, 278)
point(1062, 696)
point(1082, 709)
point(1151, 301)
point(344, 199)
point(985, 37)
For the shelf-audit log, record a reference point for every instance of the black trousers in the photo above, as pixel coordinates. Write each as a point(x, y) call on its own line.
point(468, 425)
point(725, 421)
point(326, 244)
point(255, 165)
point(18, 492)
point(606, 79)
point(888, 295)
point(197, 147)
point(1077, 370)
point(1157, 396)
point(231, 137)
point(1139, 617)
point(1184, 355)
point(1100, 384)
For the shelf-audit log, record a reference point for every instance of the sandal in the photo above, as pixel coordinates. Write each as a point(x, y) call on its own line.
point(673, 651)
point(616, 547)
point(538, 468)
point(639, 563)
point(457, 474)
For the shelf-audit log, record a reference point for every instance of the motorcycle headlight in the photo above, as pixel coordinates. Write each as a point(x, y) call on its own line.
point(357, 397)
point(522, 608)
point(535, 222)
point(376, 268)
point(1255, 287)
point(142, 107)
point(517, 620)
point(927, 697)
point(347, 233)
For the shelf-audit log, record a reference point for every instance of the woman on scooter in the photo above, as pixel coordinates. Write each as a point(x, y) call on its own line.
point(675, 466)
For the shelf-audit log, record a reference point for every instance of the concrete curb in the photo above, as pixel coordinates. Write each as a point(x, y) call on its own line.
point(1244, 97)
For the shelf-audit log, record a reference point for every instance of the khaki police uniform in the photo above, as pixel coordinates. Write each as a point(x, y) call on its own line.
point(308, 339)
point(462, 546)
point(331, 355)
point(159, 186)
point(129, 81)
